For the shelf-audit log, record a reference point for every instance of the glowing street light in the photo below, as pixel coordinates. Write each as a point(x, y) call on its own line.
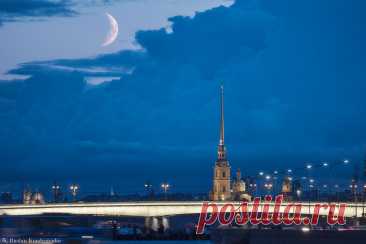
point(298, 193)
point(165, 187)
point(268, 186)
point(309, 166)
point(55, 187)
point(74, 190)
point(56, 191)
point(325, 164)
point(268, 177)
point(289, 170)
point(346, 161)
point(261, 173)
point(148, 188)
point(147, 185)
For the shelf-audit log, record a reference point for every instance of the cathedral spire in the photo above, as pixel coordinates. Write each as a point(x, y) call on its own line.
point(221, 149)
point(222, 128)
point(221, 189)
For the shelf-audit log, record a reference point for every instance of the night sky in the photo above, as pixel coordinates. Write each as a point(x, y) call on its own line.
point(147, 107)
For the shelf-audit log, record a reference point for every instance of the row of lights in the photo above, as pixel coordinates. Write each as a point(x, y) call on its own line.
point(165, 186)
point(355, 186)
point(289, 171)
point(308, 166)
point(73, 189)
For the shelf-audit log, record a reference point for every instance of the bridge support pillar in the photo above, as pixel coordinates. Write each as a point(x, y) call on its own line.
point(152, 223)
point(165, 223)
point(157, 224)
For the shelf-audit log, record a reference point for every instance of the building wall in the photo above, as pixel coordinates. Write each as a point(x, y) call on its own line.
point(221, 184)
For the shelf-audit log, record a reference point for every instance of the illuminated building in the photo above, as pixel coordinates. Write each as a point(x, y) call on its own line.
point(239, 188)
point(221, 180)
point(287, 188)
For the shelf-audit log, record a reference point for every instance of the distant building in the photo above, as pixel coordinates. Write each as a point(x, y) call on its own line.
point(239, 192)
point(27, 196)
point(287, 189)
point(37, 198)
point(6, 197)
point(32, 198)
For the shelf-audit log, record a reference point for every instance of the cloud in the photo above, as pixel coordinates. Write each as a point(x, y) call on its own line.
point(293, 86)
point(14, 10)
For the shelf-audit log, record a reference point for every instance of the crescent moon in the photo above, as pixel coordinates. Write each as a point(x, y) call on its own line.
point(113, 32)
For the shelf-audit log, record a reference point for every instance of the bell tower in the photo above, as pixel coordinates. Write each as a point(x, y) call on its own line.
point(221, 179)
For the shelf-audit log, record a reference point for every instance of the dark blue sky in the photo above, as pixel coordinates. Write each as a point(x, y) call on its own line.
point(294, 76)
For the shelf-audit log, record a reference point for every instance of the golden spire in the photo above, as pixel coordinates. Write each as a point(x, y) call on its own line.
point(221, 149)
point(222, 128)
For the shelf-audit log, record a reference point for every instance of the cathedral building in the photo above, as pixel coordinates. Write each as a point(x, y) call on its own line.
point(32, 198)
point(239, 191)
point(222, 190)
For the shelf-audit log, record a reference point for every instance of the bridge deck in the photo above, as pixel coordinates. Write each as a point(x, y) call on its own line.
point(152, 209)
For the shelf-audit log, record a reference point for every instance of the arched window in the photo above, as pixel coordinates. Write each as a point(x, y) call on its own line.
point(223, 174)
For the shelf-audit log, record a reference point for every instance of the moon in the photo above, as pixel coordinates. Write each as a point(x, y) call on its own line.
point(113, 31)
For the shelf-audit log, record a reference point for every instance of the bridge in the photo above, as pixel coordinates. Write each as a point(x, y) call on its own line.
point(156, 209)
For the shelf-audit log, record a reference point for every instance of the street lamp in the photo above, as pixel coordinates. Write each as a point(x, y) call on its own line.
point(74, 189)
point(56, 191)
point(165, 187)
point(298, 193)
point(148, 188)
point(268, 186)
